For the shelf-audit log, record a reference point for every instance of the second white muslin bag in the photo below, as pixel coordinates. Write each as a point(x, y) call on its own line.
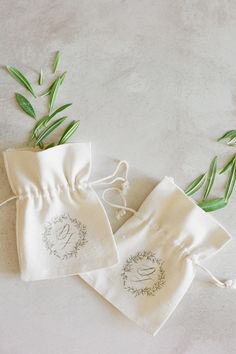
point(160, 248)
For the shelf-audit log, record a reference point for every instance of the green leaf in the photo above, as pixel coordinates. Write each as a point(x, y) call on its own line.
point(56, 62)
point(230, 183)
point(49, 130)
point(228, 165)
point(50, 87)
point(44, 120)
point(63, 77)
point(196, 185)
point(40, 123)
point(18, 76)
point(25, 105)
point(210, 177)
point(40, 80)
point(54, 91)
point(229, 134)
point(69, 131)
point(213, 204)
point(60, 109)
point(46, 93)
point(232, 141)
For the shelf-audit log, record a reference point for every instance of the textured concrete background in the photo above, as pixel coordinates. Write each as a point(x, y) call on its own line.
point(153, 82)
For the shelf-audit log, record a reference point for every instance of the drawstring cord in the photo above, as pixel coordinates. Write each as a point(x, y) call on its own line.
point(124, 180)
point(110, 180)
point(230, 283)
point(8, 200)
point(121, 208)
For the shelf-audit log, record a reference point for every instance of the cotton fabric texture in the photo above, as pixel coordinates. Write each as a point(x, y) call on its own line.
point(159, 247)
point(62, 228)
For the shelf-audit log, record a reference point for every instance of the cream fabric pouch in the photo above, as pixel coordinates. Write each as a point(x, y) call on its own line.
point(159, 248)
point(62, 227)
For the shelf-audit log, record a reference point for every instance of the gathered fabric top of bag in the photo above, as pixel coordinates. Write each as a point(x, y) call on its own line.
point(184, 223)
point(168, 210)
point(68, 167)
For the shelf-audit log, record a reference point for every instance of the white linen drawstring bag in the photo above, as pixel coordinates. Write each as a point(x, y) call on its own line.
point(62, 227)
point(159, 248)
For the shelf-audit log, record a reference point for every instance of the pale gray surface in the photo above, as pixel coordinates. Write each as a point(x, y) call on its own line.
point(153, 82)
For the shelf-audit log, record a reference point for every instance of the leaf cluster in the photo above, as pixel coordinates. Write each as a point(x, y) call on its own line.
point(45, 125)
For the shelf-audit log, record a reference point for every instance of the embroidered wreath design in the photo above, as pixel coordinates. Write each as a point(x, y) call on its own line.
point(143, 274)
point(64, 236)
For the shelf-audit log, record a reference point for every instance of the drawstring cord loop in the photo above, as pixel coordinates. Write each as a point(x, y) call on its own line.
point(122, 190)
point(229, 283)
point(8, 200)
point(105, 180)
point(122, 209)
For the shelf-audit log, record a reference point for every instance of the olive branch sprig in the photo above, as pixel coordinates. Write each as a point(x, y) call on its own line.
point(206, 180)
point(45, 125)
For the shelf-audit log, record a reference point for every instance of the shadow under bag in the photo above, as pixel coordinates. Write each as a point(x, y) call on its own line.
point(159, 248)
point(62, 227)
